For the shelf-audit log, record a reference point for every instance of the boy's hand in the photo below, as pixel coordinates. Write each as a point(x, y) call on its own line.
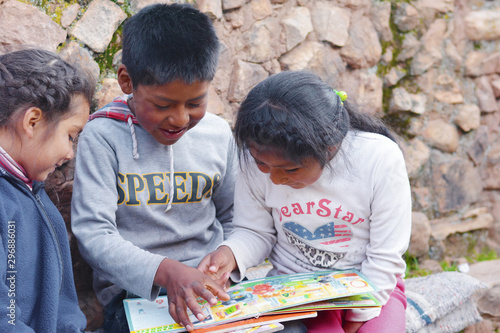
point(184, 284)
point(218, 264)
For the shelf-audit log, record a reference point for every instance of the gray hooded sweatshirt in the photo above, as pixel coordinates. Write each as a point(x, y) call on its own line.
point(128, 214)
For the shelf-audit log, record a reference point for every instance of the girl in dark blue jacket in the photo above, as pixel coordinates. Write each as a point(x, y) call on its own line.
point(44, 104)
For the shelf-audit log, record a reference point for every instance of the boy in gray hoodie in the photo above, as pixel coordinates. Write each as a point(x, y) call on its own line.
point(154, 177)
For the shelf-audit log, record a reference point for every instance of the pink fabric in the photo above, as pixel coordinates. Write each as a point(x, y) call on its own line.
point(391, 319)
point(14, 168)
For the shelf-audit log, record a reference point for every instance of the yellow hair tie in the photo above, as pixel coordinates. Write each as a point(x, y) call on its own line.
point(341, 94)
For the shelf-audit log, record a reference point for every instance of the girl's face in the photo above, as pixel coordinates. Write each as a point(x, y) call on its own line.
point(44, 153)
point(284, 172)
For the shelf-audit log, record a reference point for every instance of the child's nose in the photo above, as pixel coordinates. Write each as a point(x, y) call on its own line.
point(71, 153)
point(277, 177)
point(179, 117)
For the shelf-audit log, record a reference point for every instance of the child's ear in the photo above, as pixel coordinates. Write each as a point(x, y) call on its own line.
point(32, 118)
point(332, 150)
point(124, 80)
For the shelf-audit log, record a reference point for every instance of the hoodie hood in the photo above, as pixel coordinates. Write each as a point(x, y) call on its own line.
point(119, 110)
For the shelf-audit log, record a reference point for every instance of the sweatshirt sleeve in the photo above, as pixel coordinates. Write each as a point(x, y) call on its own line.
point(93, 219)
point(223, 196)
point(390, 229)
point(254, 234)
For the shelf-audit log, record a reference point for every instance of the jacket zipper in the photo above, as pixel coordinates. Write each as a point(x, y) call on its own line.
point(36, 188)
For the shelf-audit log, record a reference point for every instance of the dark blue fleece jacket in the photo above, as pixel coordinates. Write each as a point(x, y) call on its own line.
point(37, 291)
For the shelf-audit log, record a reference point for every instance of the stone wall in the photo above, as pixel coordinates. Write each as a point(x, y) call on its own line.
point(430, 68)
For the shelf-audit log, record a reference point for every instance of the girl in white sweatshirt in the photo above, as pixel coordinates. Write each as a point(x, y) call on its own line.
point(322, 187)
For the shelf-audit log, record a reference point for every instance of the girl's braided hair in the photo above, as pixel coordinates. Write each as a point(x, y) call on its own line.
point(39, 78)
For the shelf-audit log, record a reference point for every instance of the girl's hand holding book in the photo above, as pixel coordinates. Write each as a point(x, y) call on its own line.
point(218, 265)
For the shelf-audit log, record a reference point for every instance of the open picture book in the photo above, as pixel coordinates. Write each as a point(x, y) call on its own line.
point(289, 296)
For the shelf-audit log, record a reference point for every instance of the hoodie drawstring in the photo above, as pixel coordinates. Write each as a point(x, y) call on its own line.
point(171, 181)
point(135, 153)
point(134, 138)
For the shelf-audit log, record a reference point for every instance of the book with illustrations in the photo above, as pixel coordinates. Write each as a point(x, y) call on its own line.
point(261, 329)
point(261, 324)
point(350, 302)
point(252, 298)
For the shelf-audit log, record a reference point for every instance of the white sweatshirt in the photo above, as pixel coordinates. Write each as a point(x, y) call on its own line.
point(357, 215)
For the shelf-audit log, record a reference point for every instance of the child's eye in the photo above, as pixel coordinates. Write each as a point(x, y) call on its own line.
point(194, 106)
point(292, 170)
point(73, 138)
point(162, 107)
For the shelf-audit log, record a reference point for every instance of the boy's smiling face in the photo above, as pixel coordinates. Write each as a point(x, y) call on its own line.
point(167, 111)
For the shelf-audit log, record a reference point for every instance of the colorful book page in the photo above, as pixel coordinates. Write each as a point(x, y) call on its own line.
point(257, 324)
point(262, 329)
point(351, 302)
point(252, 298)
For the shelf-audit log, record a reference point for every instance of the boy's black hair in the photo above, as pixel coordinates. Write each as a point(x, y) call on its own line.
point(164, 43)
point(301, 116)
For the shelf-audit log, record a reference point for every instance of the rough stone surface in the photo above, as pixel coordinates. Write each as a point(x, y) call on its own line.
point(400, 100)
point(330, 22)
point(418, 103)
point(213, 9)
point(393, 77)
point(489, 273)
point(79, 56)
point(318, 58)
point(22, 24)
point(430, 49)
point(109, 90)
point(495, 84)
point(69, 15)
point(258, 41)
point(380, 15)
point(98, 24)
point(455, 182)
point(245, 77)
point(483, 25)
point(260, 9)
point(442, 228)
point(420, 234)
point(363, 47)
point(410, 47)
point(368, 93)
point(416, 156)
point(479, 144)
point(492, 179)
point(430, 265)
point(232, 4)
point(480, 63)
point(137, 5)
point(442, 135)
point(406, 16)
point(468, 117)
point(485, 95)
point(297, 25)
